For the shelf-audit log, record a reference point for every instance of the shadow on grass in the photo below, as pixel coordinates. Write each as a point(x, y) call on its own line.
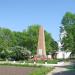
point(70, 72)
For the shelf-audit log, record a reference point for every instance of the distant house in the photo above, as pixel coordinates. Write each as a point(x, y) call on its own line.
point(60, 55)
point(63, 54)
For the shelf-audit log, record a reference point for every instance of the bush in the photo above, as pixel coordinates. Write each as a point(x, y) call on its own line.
point(19, 53)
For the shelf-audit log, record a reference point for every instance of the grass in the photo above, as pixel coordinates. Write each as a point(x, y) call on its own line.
point(52, 61)
point(21, 65)
point(27, 63)
point(41, 71)
point(71, 68)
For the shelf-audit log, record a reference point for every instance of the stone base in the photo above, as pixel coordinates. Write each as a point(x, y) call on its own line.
point(39, 58)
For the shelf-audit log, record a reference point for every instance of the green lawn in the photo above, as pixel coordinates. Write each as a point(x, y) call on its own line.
point(52, 61)
point(41, 71)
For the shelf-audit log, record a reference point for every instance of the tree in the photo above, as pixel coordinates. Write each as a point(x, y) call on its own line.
point(18, 37)
point(31, 39)
point(6, 38)
point(68, 22)
point(51, 45)
point(13, 44)
point(6, 41)
point(68, 19)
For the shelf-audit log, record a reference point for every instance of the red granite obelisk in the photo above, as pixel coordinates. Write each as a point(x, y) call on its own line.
point(41, 51)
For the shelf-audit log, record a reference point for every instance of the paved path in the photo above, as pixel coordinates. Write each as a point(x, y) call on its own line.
point(57, 70)
point(63, 70)
point(13, 70)
point(65, 73)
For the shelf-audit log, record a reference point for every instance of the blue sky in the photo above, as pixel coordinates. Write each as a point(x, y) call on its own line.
point(19, 14)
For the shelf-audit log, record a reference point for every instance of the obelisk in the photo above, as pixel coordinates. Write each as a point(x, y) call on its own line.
point(41, 51)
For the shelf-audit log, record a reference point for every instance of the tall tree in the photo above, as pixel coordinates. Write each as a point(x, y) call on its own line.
point(32, 39)
point(26, 39)
point(68, 22)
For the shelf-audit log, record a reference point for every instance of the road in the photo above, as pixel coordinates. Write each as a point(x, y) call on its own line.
point(63, 70)
point(65, 73)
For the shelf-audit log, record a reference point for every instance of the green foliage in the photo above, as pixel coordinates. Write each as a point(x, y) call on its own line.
point(31, 40)
point(19, 53)
point(54, 61)
point(51, 45)
point(68, 22)
point(16, 45)
point(6, 37)
point(68, 19)
point(41, 71)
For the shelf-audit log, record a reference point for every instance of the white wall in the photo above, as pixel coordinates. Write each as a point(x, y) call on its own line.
point(63, 54)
